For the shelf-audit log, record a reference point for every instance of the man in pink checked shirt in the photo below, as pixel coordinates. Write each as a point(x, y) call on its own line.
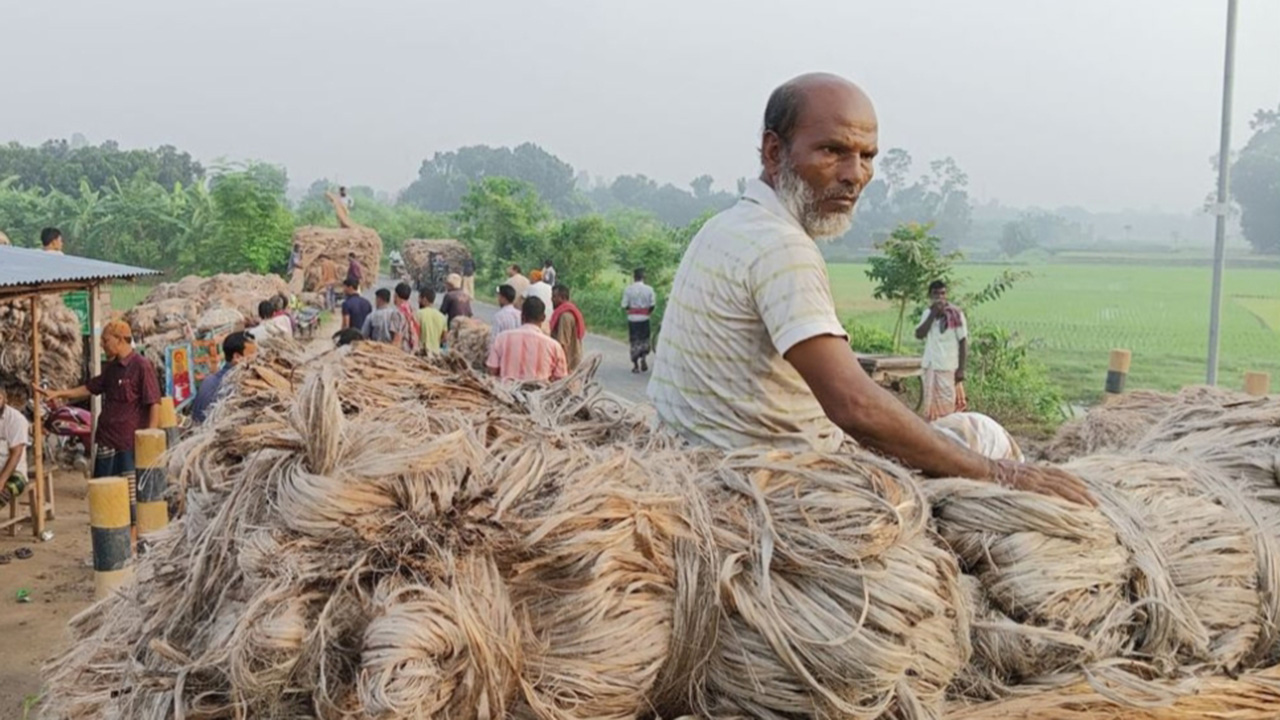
point(527, 353)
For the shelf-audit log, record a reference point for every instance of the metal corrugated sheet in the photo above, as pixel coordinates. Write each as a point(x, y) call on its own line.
point(24, 266)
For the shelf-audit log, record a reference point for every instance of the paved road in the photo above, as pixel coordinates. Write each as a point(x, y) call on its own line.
point(615, 368)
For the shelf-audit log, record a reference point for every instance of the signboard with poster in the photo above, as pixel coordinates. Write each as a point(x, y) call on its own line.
point(206, 358)
point(77, 301)
point(179, 374)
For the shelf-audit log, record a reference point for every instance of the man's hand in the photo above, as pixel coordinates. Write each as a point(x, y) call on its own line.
point(938, 309)
point(1043, 480)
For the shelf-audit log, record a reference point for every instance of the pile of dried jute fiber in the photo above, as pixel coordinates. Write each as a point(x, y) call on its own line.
point(1164, 578)
point(374, 535)
point(417, 255)
point(61, 347)
point(469, 338)
point(1121, 420)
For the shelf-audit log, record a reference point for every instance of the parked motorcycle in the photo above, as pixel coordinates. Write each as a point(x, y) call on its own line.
point(68, 432)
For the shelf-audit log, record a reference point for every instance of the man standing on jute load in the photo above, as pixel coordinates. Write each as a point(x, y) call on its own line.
point(751, 350)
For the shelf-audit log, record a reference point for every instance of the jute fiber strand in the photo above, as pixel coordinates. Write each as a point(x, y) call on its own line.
point(1120, 421)
point(373, 535)
point(1160, 580)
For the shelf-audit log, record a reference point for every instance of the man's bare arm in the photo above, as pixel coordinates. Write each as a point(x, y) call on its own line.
point(16, 453)
point(73, 394)
point(875, 418)
point(153, 416)
point(964, 360)
point(922, 330)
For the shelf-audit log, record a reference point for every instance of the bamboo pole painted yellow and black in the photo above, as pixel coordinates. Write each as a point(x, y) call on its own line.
point(169, 420)
point(109, 527)
point(1118, 371)
point(1257, 383)
point(153, 507)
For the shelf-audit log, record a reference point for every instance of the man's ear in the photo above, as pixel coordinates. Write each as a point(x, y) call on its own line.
point(772, 151)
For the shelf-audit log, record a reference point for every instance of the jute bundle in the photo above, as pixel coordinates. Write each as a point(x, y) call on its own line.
point(320, 243)
point(1121, 420)
point(417, 256)
point(1161, 578)
point(1254, 695)
point(839, 603)
point(469, 339)
point(1240, 437)
point(373, 535)
point(61, 347)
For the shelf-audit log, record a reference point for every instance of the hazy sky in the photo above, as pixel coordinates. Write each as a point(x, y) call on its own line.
point(1102, 103)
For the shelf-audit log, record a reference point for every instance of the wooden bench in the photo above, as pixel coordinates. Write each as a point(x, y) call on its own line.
point(16, 519)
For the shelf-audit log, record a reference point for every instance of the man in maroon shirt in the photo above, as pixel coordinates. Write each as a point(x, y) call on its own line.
point(131, 400)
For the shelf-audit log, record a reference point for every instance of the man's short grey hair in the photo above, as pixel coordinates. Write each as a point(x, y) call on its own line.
point(782, 112)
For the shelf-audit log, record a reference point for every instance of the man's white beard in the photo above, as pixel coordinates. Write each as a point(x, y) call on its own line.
point(803, 203)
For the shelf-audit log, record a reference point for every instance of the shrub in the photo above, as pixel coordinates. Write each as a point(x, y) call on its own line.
point(868, 339)
point(1004, 382)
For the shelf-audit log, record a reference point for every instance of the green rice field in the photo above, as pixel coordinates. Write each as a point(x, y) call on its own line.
point(1074, 314)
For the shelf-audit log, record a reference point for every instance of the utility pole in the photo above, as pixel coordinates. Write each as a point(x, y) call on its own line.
point(1220, 225)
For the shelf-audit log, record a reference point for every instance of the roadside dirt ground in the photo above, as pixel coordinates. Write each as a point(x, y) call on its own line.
point(59, 580)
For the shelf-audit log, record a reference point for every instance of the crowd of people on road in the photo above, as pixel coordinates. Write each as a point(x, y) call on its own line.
point(546, 328)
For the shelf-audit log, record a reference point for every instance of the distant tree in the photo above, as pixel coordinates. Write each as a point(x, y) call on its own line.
point(667, 202)
point(940, 198)
point(701, 186)
point(1255, 183)
point(911, 258)
point(504, 221)
point(58, 165)
point(894, 167)
point(1016, 238)
point(581, 249)
point(252, 224)
point(444, 179)
point(646, 242)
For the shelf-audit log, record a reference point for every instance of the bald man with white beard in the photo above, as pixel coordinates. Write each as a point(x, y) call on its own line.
point(751, 351)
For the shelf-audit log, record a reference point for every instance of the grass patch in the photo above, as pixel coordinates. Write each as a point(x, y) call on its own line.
point(1266, 310)
point(125, 295)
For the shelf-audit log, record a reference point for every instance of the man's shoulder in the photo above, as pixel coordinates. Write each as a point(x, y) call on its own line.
point(752, 231)
point(138, 360)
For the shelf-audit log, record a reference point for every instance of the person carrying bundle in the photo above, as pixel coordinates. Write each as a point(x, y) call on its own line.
point(752, 352)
